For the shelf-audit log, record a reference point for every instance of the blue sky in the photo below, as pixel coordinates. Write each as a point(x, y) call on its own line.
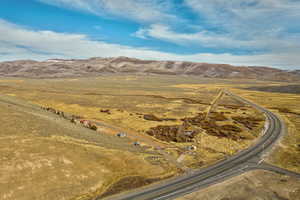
point(239, 32)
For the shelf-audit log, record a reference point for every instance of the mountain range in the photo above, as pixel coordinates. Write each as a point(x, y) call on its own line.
point(60, 68)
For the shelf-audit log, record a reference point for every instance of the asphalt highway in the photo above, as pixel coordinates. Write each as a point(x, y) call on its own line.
point(248, 159)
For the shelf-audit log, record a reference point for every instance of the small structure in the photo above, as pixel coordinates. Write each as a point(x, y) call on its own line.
point(188, 133)
point(85, 123)
point(191, 148)
point(121, 134)
point(137, 143)
point(88, 124)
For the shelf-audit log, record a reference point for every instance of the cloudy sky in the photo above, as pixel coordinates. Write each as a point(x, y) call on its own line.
point(240, 32)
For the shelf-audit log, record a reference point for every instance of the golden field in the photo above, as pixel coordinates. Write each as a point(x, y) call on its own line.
point(96, 161)
point(43, 157)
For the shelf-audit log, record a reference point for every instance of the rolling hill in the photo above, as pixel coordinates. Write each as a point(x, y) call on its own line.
point(59, 68)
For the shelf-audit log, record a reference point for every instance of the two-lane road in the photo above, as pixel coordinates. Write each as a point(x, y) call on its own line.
point(245, 160)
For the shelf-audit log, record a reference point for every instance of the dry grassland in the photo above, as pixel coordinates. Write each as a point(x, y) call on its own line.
point(134, 104)
point(129, 99)
point(40, 158)
point(251, 186)
point(287, 152)
point(287, 105)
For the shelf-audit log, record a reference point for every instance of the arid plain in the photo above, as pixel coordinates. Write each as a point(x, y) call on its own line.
point(172, 124)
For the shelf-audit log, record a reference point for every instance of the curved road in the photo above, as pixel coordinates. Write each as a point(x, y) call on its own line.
point(248, 159)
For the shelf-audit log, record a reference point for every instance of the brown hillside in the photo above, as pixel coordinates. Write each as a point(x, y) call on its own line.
point(124, 65)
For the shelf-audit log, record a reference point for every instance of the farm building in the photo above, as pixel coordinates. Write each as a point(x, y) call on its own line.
point(121, 134)
point(191, 148)
point(85, 123)
point(137, 143)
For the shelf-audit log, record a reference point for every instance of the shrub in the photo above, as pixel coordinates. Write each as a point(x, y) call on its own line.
point(93, 127)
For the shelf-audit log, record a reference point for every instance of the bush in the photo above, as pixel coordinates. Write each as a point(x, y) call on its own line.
point(93, 127)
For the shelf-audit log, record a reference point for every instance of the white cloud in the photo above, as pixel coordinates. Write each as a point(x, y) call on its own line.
point(214, 40)
point(258, 25)
point(138, 10)
point(19, 43)
point(202, 38)
point(246, 18)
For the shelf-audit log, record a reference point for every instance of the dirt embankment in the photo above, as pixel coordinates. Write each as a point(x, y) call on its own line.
point(151, 117)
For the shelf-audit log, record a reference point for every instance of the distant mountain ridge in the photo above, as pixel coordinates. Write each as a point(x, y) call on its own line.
point(60, 68)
